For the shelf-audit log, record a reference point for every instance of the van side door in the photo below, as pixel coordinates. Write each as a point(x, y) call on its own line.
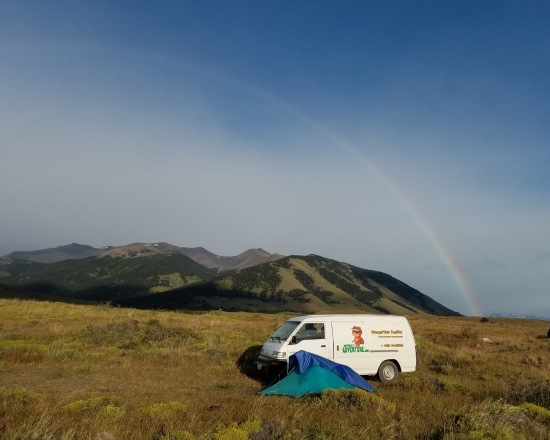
point(351, 346)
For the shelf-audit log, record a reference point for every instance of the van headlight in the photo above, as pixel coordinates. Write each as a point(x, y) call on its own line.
point(279, 354)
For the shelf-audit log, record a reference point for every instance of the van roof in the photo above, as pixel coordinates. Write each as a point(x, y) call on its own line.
point(346, 317)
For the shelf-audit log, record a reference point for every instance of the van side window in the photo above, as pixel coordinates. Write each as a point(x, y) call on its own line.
point(311, 330)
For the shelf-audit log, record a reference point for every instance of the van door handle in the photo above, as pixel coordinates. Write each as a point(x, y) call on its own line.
point(323, 345)
point(337, 348)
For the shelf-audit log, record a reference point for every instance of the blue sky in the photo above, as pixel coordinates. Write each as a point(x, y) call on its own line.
point(406, 137)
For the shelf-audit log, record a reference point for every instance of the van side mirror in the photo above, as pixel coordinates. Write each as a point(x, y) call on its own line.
point(293, 340)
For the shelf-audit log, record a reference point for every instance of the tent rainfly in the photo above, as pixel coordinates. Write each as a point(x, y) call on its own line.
point(310, 373)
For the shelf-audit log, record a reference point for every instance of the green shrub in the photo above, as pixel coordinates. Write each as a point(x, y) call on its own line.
point(22, 352)
point(410, 382)
point(132, 334)
point(164, 418)
point(270, 430)
point(537, 393)
point(494, 420)
point(357, 399)
point(110, 413)
point(165, 411)
point(92, 405)
point(178, 435)
point(448, 386)
point(18, 397)
point(237, 431)
point(536, 412)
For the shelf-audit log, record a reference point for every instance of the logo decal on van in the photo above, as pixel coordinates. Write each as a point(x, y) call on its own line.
point(357, 342)
point(350, 348)
point(357, 338)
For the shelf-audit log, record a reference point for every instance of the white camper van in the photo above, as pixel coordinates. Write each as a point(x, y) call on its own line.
point(380, 345)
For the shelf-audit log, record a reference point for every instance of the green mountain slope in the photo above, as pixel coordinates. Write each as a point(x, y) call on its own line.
point(304, 284)
point(11, 292)
point(106, 278)
point(411, 295)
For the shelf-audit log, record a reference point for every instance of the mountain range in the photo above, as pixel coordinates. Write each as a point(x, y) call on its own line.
point(161, 275)
point(205, 258)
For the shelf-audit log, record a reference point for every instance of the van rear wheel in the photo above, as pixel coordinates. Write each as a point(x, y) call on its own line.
point(388, 372)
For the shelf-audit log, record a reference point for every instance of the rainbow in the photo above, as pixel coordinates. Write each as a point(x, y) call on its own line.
point(398, 195)
point(406, 203)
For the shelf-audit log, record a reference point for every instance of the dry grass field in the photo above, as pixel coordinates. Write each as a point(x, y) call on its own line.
point(104, 373)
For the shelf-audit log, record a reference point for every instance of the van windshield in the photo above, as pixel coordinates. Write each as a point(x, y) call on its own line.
point(284, 331)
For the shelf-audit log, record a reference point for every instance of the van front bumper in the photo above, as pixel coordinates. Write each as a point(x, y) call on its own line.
point(269, 365)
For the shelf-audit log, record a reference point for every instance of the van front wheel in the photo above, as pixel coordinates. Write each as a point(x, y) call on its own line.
point(388, 372)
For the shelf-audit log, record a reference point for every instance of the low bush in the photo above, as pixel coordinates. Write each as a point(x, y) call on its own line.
point(22, 352)
point(356, 399)
point(495, 420)
point(238, 431)
point(537, 393)
point(132, 334)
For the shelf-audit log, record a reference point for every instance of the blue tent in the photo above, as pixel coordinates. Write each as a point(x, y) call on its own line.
point(314, 374)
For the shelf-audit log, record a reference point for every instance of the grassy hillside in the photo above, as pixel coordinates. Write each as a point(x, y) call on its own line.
point(97, 372)
point(301, 284)
point(10, 292)
point(106, 278)
point(409, 294)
